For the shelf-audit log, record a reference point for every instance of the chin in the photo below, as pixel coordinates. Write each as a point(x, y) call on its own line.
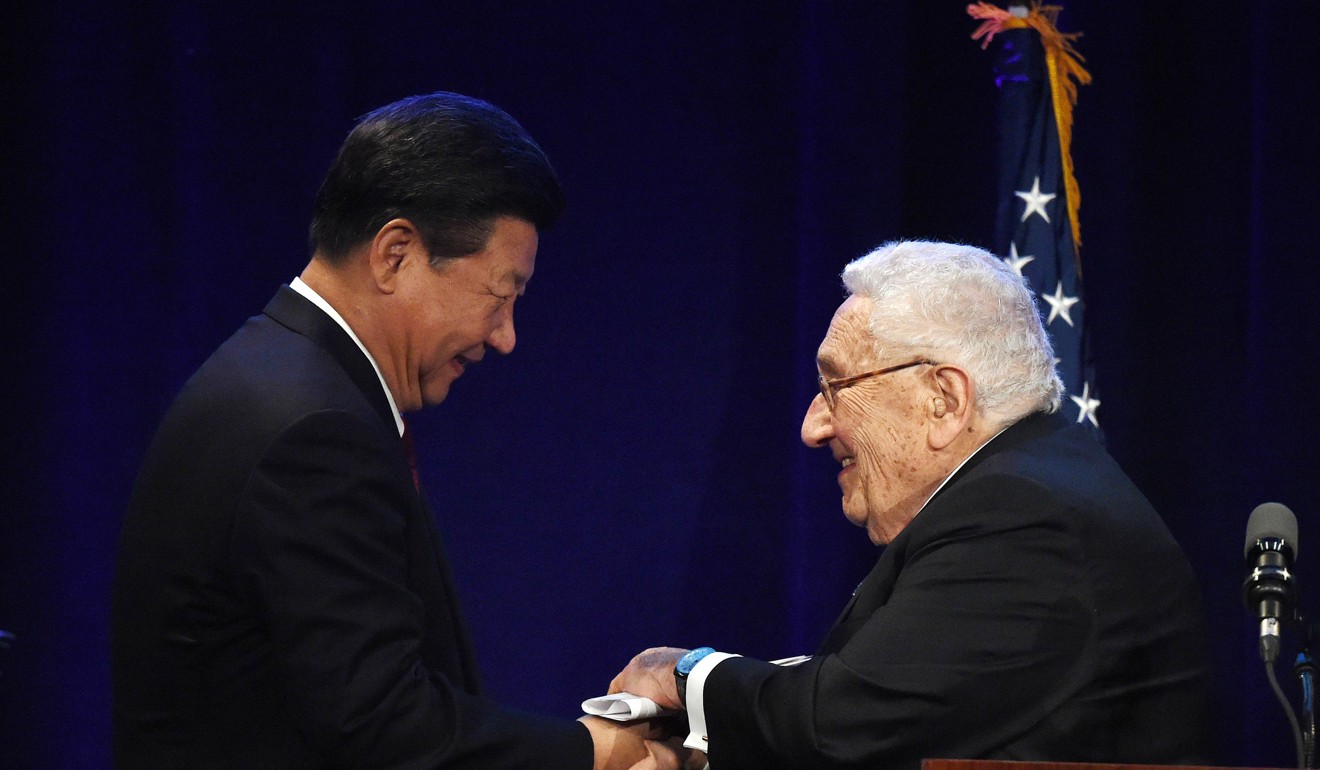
point(435, 392)
point(854, 517)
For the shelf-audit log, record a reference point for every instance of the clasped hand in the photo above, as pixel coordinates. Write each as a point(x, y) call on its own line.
point(651, 675)
point(653, 744)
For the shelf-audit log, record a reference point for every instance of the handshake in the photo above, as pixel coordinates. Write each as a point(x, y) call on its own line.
point(654, 743)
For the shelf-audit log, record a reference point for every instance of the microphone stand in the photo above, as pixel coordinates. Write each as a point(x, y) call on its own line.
point(1268, 591)
point(1304, 669)
point(1288, 711)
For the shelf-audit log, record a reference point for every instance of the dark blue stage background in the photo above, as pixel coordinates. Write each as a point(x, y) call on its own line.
point(631, 475)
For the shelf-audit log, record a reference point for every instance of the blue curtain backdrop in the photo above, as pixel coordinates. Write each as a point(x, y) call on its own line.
point(631, 475)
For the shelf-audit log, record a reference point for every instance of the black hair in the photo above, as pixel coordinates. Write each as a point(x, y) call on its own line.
point(449, 163)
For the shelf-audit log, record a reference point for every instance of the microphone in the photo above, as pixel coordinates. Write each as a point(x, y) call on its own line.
point(1270, 549)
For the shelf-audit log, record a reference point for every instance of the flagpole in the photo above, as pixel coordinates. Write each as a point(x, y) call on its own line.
point(1037, 71)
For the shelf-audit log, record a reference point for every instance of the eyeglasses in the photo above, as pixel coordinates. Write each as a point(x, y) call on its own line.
point(829, 387)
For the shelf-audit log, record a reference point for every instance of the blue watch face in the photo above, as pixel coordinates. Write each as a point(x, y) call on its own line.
point(686, 663)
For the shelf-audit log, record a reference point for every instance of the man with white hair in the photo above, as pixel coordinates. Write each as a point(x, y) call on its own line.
point(1029, 603)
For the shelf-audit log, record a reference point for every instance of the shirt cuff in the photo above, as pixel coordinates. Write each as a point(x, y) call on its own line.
point(696, 700)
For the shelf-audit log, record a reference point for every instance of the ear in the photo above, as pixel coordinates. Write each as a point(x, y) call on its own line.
point(395, 247)
point(950, 405)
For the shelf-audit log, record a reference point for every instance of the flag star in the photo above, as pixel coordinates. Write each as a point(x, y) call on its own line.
point(1060, 305)
point(1036, 201)
point(1086, 405)
point(1014, 262)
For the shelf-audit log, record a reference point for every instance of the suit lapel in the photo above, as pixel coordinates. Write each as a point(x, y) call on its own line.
point(871, 593)
point(297, 313)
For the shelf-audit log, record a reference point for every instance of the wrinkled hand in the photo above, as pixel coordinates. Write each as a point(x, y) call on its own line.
point(651, 675)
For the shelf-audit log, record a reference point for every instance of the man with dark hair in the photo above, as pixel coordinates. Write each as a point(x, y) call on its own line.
point(449, 163)
point(282, 598)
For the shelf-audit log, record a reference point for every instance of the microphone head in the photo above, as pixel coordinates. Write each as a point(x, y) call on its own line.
point(1271, 520)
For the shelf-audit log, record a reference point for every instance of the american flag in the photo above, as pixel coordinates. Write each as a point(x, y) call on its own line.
point(1037, 231)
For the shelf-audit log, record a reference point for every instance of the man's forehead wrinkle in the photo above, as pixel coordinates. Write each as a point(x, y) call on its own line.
point(851, 342)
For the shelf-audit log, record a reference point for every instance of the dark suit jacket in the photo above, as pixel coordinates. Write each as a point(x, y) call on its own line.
point(281, 597)
point(1036, 609)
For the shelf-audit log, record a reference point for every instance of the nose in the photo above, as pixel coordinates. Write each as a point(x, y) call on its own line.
point(502, 338)
point(817, 424)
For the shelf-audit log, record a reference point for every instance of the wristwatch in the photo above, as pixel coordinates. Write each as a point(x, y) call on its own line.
point(684, 667)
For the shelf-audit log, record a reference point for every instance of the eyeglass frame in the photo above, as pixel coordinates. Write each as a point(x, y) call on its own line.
point(828, 388)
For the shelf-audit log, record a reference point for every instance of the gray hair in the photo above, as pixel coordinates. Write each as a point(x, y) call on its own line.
point(961, 305)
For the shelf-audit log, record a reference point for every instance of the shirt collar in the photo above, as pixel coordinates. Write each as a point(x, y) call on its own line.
point(302, 288)
point(960, 465)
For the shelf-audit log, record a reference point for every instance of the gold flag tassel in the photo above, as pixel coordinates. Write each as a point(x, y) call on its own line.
point(1063, 65)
